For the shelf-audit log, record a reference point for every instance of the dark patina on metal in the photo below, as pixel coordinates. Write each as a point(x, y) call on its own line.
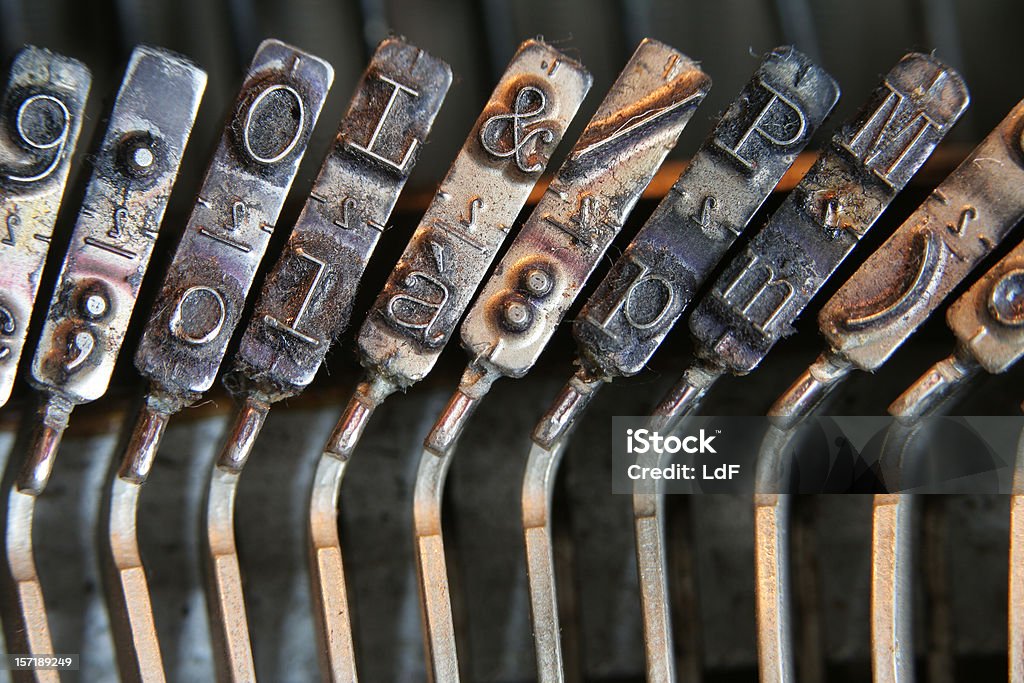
point(201, 300)
point(40, 121)
point(728, 179)
point(307, 299)
point(756, 299)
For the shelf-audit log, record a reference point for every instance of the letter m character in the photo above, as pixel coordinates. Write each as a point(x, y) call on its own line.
point(919, 100)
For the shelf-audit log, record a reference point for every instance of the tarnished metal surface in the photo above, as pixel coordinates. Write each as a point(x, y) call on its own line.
point(446, 259)
point(749, 150)
point(134, 171)
point(39, 127)
point(201, 302)
point(909, 276)
point(905, 280)
point(568, 232)
point(307, 298)
point(988, 322)
point(117, 226)
point(761, 292)
point(538, 279)
point(728, 179)
point(585, 206)
point(471, 214)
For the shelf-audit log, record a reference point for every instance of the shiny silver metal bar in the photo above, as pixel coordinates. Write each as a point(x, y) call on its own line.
point(200, 305)
point(43, 104)
point(892, 587)
point(134, 171)
point(902, 283)
point(543, 271)
point(433, 284)
point(307, 299)
point(761, 293)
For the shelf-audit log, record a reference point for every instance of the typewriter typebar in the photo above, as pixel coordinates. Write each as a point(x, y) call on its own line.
point(426, 294)
point(892, 294)
point(988, 324)
point(583, 209)
point(760, 293)
point(537, 280)
point(200, 304)
point(41, 121)
point(726, 182)
point(134, 169)
point(650, 285)
point(307, 298)
point(906, 279)
point(471, 215)
point(201, 300)
point(133, 174)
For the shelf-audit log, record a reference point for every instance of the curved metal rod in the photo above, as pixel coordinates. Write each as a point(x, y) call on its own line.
point(131, 610)
point(810, 390)
point(225, 598)
point(684, 397)
point(431, 569)
point(428, 495)
point(330, 597)
point(24, 611)
point(538, 491)
point(26, 628)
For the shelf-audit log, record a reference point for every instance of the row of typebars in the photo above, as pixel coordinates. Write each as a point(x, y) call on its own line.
point(749, 298)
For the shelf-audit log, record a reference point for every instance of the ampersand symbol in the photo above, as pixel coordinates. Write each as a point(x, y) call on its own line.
point(525, 145)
